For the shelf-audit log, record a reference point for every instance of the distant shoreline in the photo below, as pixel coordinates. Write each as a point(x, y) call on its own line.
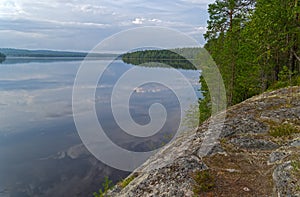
point(57, 58)
point(25, 54)
point(26, 59)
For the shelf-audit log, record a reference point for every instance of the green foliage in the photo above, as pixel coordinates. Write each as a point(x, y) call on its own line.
point(296, 173)
point(294, 81)
point(255, 45)
point(283, 130)
point(204, 181)
point(285, 74)
point(106, 185)
point(125, 182)
point(176, 58)
point(224, 15)
point(204, 103)
point(296, 166)
point(225, 46)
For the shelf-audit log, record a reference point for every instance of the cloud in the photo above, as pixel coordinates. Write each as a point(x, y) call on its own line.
point(199, 2)
point(11, 9)
point(198, 30)
point(23, 34)
point(155, 20)
point(88, 8)
point(138, 21)
point(80, 25)
point(23, 77)
point(152, 21)
point(148, 90)
point(75, 24)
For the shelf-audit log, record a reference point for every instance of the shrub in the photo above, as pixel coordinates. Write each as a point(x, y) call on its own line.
point(107, 185)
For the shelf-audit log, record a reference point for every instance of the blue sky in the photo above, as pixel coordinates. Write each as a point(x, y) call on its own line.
point(79, 25)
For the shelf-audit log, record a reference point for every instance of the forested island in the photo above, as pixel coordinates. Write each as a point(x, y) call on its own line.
point(176, 58)
point(2, 57)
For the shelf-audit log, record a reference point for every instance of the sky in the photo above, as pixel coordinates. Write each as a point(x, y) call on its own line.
point(79, 25)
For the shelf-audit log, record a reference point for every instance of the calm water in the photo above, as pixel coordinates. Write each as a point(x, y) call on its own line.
point(41, 153)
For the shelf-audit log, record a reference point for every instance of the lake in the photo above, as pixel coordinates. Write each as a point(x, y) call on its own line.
point(41, 153)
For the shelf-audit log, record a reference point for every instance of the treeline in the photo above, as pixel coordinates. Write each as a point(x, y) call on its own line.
point(256, 45)
point(177, 58)
point(39, 53)
point(50, 53)
point(2, 57)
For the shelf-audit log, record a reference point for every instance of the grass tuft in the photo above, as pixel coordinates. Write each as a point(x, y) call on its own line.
point(125, 182)
point(296, 174)
point(284, 130)
point(204, 181)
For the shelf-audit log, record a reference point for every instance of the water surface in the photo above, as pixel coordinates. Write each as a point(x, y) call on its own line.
point(41, 153)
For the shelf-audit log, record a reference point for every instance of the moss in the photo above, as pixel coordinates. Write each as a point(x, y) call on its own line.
point(223, 141)
point(296, 174)
point(122, 184)
point(296, 166)
point(283, 130)
point(125, 182)
point(204, 182)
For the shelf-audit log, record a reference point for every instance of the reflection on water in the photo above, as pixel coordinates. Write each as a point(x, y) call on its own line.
point(41, 153)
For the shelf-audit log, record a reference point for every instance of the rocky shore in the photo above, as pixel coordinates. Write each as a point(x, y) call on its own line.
point(257, 154)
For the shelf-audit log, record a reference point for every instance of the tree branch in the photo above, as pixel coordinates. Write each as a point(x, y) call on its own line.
point(298, 58)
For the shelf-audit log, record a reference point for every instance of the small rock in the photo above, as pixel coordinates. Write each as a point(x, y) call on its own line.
point(295, 143)
point(216, 150)
point(232, 170)
point(277, 157)
point(246, 189)
point(281, 177)
point(251, 143)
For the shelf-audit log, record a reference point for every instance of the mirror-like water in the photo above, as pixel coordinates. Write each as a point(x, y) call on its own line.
point(41, 153)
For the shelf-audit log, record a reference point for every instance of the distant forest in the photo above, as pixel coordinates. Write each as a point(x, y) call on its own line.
point(177, 58)
point(49, 53)
point(39, 53)
point(2, 57)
